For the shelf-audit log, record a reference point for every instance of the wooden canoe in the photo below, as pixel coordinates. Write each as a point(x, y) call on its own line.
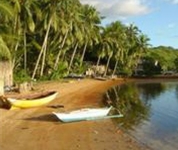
point(40, 100)
point(83, 114)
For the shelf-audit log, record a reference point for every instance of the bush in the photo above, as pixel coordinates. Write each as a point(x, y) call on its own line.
point(21, 76)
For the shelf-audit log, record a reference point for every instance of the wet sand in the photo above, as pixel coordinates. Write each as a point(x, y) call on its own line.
point(39, 129)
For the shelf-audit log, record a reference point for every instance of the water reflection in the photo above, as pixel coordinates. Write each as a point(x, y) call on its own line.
point(177, 92)
point(126, 99)
point(150, 112)
point(149, 91)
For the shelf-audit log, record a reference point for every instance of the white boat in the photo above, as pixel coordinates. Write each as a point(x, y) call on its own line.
point(83, 114)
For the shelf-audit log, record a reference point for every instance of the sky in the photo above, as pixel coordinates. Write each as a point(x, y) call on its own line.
point(158, 19)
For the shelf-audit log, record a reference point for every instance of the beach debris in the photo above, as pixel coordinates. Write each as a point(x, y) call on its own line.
point(56, 106)
point(4, 103)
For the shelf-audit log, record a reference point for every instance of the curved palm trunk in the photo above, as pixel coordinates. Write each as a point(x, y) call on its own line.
point(25, 51)
point(83, 54)
point(37, 63)
point(45, 47)
point(107, 65)
point(114, 71)
point(97, 64)
point(63, 55)
point(71, 61)
point(14, 58)
point(116, 93)
point(42, 51)
point(59, 53)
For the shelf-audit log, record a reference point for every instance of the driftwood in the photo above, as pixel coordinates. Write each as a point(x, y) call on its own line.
point(4, 103)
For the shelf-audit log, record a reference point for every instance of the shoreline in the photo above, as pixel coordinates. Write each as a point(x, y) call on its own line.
point(37, 128)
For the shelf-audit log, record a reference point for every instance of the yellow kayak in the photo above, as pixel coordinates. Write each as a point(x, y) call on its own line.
point(37, 101)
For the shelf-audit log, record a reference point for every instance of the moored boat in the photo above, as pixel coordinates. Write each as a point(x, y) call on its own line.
point(35, 101)
point(83, 114)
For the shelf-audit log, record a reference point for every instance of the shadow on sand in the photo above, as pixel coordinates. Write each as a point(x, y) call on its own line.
point(44, 118)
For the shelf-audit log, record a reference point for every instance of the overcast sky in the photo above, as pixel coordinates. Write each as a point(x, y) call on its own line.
point(158, 19)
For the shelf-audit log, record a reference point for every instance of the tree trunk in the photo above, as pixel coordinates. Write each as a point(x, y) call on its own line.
point(59, 53)
point(107, 65)
point(71, 61)
point(42, 51)
point(83, 54)
point(37, 63)
point(114, 71)
point(45, 47)
point(25, 51)
point(6, 73)
point(97, 64)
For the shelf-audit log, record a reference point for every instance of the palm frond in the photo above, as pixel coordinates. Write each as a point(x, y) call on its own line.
point(4, 51)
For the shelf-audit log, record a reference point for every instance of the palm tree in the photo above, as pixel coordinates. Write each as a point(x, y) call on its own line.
point(6, 71)
point(91, 20)
point(4, 51)
point(115, 35)
point(104, 46)
point(141, 46)
point(6, 19)
point(77, 31)
point(50, 15)
point(132, 33)
point(6, 10)
point(66, 25)
point(28, 10)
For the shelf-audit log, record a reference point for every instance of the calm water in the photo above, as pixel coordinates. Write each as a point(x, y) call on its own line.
point(150, 112)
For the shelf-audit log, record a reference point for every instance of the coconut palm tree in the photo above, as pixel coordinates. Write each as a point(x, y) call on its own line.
point(6, 18)
point(28, 10)
point(66, 25)
point(116, 32)
point(6, 71)
point(50, 21)
point(91, 20)
point(130, 48)
point(104, 47)
point(6, 10)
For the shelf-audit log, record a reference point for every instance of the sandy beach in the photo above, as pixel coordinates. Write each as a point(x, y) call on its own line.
point(39, 129)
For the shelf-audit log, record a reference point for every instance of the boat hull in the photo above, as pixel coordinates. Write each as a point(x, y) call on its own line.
point(83, 114)
point(29, 103)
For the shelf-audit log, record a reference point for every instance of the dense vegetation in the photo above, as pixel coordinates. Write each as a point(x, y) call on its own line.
point(51, 39)
point(161, 60)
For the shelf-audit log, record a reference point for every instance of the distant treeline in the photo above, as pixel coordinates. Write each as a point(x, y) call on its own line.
point(160, 60)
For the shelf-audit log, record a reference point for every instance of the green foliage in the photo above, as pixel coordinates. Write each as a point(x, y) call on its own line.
point(4, 51)
point(166, 57)
point(77, 68)
point(125, 71)
point(33, 33)
point(6, 8)
point(149, 67)
point(176, 63)
point(60, 72)
point(126, 99)
point(21, 76)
